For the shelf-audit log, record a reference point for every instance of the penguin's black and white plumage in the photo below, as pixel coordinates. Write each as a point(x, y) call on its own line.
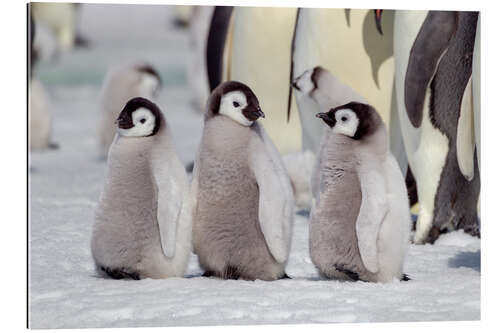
point(197, 70)
point(243, 199)
point(257, 51)
point(122, 83)
point(349, 44)
point(434, 59)
point(360, 222)
point(476, 89)
point(143, 219)
point(218, 45)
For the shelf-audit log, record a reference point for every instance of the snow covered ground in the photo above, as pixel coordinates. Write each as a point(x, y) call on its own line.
point(64, 290)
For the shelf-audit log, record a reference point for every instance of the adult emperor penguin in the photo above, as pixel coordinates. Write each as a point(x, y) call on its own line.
point(197, 69)
point(356, 47)
point(360, 224)
point(476, 89)
point(243, 200)
point(143, 219)
point(122, 83)
point(257, 44)
point(433, 57)
point(219, 45)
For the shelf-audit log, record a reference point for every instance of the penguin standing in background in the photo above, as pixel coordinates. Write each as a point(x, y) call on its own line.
point(60, 18)
point(476, 89)
point(143, 219)
point(40, 119)
point(257, 42)
point(317, 90)
point(243, 199)
point(433, 53)
point(219, 45)
point(120, 85)
point(351, 44)
point(360, 223)
point(197, 69)
point(476, 98)
point(80, 39)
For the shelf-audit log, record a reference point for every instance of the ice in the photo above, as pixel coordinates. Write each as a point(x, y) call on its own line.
point(65, 292)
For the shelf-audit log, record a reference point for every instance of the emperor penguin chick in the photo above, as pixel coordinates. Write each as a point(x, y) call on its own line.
point(316, 90)
point(143, 219)
point(120, 85)
point(360, 222)
point(243, 199)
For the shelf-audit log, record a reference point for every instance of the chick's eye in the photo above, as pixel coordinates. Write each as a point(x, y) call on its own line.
point(236, 104)
point(344, 118)
point(142, 121)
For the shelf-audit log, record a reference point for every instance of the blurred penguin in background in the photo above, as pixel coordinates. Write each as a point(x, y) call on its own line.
point(40, 119)
point(182, 16)
point(317, 90)
point(80, 39)
point(57, 29)
point(197, 68)
point(120, 85)
point(60, 18)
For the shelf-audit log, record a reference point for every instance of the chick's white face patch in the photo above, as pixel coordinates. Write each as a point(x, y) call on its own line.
point(346, 122)
point(232, 105)
point(144, 123)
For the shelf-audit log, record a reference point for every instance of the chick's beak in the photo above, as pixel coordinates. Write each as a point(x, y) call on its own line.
point(123, 123)
point(258, 113)
point(322, 115)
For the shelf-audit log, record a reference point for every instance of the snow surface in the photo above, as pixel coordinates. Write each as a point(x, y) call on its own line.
point(65, 292)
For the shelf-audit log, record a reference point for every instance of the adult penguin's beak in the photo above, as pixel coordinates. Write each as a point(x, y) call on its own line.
point(378, 19)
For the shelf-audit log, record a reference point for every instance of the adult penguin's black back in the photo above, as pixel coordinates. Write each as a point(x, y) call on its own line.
point(292, 49)
point(215, 44)
point(456, 197)
point(455, 193)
